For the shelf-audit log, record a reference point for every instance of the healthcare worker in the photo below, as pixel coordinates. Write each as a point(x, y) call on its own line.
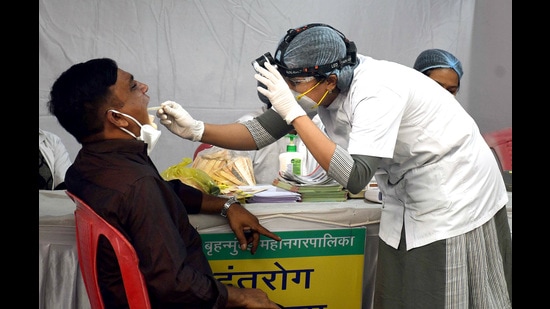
point(444, 236)
point(441, 66)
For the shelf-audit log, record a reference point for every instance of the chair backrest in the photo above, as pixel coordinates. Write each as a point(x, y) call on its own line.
point(89, 227)
point(500, 142)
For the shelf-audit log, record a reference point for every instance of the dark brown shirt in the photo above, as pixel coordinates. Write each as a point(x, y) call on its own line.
point(120, 182)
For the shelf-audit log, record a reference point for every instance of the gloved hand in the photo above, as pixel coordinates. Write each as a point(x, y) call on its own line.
point(179, 122)
point(278, 92)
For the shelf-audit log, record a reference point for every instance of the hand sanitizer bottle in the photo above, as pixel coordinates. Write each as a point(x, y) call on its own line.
point(291, 161)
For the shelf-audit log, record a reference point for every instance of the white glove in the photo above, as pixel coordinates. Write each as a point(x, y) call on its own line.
point(278, 93)
point(179, 122)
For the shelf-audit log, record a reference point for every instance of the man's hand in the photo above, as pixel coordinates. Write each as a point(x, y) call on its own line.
point(178, 121)
point(278, 92)
point(248, 298)
point(241, 220)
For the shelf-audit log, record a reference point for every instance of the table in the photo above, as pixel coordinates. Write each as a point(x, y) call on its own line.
point(60, 281)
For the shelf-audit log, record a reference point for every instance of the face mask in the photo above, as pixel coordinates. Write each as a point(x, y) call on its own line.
point(147, 134)
point(304, 101)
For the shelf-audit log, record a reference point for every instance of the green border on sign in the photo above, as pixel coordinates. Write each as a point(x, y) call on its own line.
point(330, 242)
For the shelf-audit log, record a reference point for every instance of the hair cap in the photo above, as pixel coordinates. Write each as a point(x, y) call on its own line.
point(319, 45)
point(437, 58)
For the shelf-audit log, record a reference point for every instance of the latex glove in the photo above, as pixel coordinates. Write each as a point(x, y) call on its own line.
point(278, 92)
point(178, 121)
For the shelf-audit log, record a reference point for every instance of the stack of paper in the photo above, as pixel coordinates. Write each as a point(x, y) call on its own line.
point(317, 177)
point(317, 187)
point(274, 195)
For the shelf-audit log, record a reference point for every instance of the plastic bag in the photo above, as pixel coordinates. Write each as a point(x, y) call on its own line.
point(191, 176)
point(228, 168)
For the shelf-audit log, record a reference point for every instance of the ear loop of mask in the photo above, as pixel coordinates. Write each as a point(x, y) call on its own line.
point(124, 129)
point(298, 97)
point(323, 97)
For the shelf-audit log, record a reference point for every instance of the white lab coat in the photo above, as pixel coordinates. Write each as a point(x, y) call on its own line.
point(55, 154)
point(439, 177)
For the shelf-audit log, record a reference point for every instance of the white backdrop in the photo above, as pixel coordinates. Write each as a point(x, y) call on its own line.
point(198, 53)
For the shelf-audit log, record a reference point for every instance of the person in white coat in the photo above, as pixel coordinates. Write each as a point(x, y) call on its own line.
point(444, 236)
point(53, 161)
point(441, 66)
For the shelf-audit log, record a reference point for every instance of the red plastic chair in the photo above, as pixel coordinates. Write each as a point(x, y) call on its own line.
point(89, 227)
point(500, 142)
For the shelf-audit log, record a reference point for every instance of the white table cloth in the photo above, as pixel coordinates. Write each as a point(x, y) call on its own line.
point(60, 281)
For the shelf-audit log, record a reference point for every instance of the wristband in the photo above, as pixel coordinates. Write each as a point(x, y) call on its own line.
point(232, 200)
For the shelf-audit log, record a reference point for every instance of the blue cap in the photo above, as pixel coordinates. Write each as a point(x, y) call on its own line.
point(318, 46)
point(437, 58)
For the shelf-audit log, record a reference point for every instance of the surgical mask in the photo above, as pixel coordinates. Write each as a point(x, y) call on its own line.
point(306, 102)
point(147, 133)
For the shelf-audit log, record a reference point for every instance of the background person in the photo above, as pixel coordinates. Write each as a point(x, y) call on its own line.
point(441, 66)
point(442, 188)
point(105, 109)
point(53, 161)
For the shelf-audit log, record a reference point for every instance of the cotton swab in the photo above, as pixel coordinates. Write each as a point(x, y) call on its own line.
point(153, 108)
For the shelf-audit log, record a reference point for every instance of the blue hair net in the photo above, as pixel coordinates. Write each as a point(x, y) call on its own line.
point(437, 58)
point(318, 45)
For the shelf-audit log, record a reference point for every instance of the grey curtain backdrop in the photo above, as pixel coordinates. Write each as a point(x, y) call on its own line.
point(198, 53)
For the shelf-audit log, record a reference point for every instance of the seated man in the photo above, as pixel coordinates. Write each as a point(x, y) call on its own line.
point(105, 109)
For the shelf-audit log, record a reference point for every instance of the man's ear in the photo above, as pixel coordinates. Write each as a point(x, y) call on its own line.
point(117, 119)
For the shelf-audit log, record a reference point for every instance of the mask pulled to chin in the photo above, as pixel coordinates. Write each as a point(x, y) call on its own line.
point(148, 133)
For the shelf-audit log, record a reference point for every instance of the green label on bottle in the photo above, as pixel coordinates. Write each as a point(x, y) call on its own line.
point(296, 166)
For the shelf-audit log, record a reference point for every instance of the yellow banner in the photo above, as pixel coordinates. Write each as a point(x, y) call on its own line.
point(314, 269)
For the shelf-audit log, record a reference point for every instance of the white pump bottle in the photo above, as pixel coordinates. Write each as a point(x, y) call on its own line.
point(292, 161)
